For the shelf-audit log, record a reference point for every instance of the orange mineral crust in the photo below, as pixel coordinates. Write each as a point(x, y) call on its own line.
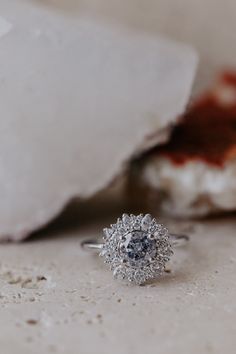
point(207, 132)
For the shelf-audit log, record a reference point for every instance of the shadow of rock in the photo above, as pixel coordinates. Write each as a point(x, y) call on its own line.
point(79, 215)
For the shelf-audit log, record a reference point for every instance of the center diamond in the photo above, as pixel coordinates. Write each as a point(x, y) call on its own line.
point(138, 246)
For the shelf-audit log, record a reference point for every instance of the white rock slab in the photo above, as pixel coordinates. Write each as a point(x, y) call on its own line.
point(77, 99)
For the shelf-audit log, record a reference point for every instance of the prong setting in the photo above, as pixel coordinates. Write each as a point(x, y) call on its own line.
point(123, 261)
point(151, 236)
point(122, 238)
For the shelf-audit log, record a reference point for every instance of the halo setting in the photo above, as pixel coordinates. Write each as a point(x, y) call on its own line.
point(136, 248)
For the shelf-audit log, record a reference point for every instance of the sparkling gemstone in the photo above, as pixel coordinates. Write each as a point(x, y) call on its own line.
point(138, 246)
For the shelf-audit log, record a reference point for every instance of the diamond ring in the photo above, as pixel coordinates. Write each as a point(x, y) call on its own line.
point(136, 248)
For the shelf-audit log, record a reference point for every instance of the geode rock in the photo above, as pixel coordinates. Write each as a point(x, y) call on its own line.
point(194, 174)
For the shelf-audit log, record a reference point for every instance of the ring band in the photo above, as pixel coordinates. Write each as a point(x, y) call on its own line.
point(177, 240)
point(136, 248)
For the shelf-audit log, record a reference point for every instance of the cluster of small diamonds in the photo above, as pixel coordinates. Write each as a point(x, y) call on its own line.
point(114, 251)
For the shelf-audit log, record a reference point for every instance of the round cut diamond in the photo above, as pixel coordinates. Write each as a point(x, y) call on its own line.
point(138, 247)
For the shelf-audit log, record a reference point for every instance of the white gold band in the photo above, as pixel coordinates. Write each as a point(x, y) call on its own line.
point(177, 240)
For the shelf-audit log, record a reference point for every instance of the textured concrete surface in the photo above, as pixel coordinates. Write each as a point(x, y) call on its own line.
point(56, 298)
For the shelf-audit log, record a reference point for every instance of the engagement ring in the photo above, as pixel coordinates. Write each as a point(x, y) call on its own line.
point(136, 248)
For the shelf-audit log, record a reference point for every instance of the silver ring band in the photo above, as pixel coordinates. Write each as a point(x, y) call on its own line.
point(177, 240)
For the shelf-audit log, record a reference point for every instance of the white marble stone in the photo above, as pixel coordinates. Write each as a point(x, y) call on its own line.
point(78, 98)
